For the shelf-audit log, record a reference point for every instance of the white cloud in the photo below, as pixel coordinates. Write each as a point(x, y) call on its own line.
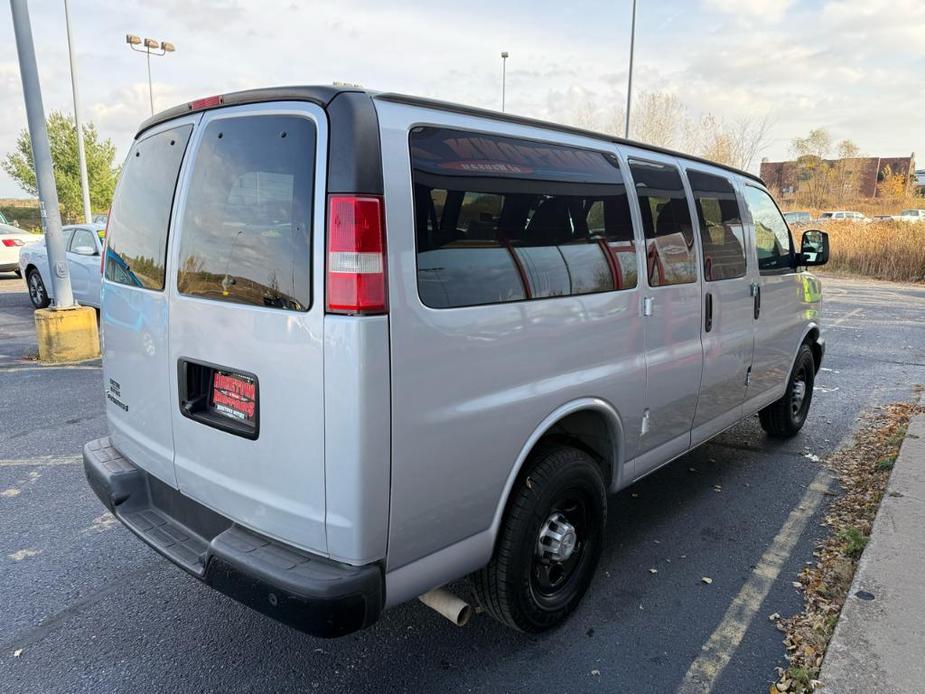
point(771, 10)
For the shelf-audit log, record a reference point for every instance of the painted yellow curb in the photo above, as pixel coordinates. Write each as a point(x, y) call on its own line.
point(67, 334)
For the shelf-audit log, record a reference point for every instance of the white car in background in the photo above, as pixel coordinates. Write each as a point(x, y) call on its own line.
point(12, 239)
point(83, 245)
point(911, 216)
point(843, 215)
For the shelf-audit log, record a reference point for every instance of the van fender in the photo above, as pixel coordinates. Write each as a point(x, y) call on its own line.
point(599, 405)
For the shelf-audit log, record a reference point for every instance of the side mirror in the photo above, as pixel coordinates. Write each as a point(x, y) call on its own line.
point(84, 250)
point(814, 248)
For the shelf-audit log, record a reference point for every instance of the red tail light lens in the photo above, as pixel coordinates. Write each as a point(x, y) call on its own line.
point(9, 243)
point(356, 255)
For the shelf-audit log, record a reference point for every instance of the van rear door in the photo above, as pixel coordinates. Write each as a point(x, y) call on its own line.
point(246, 316)
point(136, 371)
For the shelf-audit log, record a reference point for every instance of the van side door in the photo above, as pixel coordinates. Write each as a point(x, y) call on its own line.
point(670, 307)
point(776, 301)
point(727, 336)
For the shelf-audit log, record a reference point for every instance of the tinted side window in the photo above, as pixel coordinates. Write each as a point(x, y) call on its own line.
point(772, 237)
point(721, 233)
point(141, 209)
point(666, 220)
point(246, 230)
point(500, 219)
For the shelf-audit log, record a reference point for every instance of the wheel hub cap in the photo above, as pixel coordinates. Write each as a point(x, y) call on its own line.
point(557, 540)
point(799, 392)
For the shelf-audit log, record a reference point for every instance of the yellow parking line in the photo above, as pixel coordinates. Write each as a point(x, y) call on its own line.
point(725, 639)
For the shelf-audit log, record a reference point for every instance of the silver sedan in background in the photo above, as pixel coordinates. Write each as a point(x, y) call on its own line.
point(84, 246)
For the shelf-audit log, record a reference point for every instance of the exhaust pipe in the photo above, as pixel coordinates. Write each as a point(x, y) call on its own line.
point(450, 606)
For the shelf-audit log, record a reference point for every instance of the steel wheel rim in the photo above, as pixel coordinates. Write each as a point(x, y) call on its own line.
point(798, 392)
point(553, 582)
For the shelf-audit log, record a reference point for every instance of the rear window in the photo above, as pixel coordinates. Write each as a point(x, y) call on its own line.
point(500, 219)
point(246, 229)
point(141, 210)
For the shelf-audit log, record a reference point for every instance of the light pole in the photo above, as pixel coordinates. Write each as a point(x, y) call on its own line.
point(504, 55)
point(629, 84)
point(78, 123)
point(41, 157)
point(159, 48)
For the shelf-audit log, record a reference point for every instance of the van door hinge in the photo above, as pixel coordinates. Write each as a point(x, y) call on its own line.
point(647, 306)
point(645, 422)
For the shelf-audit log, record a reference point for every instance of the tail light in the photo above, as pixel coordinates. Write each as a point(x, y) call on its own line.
point(9, 243)
point(356, 255)
point(105, 241)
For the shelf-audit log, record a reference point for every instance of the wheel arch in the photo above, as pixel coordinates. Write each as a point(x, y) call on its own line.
point(811, 338)
point(592, 424)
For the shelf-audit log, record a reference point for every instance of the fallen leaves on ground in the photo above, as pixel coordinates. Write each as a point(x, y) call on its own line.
point(826, 582)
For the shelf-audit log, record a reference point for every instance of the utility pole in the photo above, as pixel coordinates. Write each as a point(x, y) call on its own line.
point(41, 156)
point(504, 55)
point(78, 122)
point(629, 85)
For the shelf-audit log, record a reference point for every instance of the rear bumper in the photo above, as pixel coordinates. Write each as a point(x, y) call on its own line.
point(8, 267)
point(308, 592)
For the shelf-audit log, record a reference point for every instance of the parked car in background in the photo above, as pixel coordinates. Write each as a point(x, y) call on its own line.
point(798, 217)
point(883, 218)
point(911, 216)
point(843, 214)
point(100, 219)
point(12, 239)
point(358, 346)
point(83, 244)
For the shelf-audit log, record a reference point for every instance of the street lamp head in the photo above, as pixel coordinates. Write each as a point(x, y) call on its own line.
point(132, 40)
point(152, 43)
point(504, 54)
point(167, 47)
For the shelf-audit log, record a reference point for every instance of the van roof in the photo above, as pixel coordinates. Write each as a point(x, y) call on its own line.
point(324, 94)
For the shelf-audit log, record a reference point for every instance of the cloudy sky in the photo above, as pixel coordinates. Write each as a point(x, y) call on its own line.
point(855, 67)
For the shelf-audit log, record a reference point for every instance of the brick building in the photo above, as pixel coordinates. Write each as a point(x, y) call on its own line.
point(784, 176)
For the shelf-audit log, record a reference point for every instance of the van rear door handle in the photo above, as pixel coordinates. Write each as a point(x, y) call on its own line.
point(757, 300)
point(708, 312)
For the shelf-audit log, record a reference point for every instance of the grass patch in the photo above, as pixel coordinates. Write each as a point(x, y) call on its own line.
point(853, 541)
point(882, 250)
point(863, 470)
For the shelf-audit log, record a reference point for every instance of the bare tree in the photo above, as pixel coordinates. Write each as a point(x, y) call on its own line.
point(846, 171)
point(659, 119)
point(814, 171)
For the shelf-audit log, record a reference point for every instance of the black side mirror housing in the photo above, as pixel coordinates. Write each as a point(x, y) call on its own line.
point(814, 249)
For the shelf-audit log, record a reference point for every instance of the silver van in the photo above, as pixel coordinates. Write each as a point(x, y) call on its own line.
point(360, 345)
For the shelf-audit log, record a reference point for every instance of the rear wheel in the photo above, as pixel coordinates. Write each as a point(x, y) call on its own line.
point(37, 292)
point(549, 543)
point(785, 417)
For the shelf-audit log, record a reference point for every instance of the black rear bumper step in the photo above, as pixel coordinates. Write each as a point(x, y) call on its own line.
point(308, 592)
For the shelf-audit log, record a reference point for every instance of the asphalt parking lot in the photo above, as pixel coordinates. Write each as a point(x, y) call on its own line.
point(84, 606)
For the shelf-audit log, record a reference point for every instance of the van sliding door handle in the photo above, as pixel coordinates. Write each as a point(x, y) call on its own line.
point(757, 301)
point(708, 313)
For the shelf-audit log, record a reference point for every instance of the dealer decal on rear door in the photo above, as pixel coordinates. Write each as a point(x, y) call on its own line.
point(234, 395)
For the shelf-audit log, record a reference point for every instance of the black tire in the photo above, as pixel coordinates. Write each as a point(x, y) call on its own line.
point(38, 295)
point(785, 417)
point(533, 593)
